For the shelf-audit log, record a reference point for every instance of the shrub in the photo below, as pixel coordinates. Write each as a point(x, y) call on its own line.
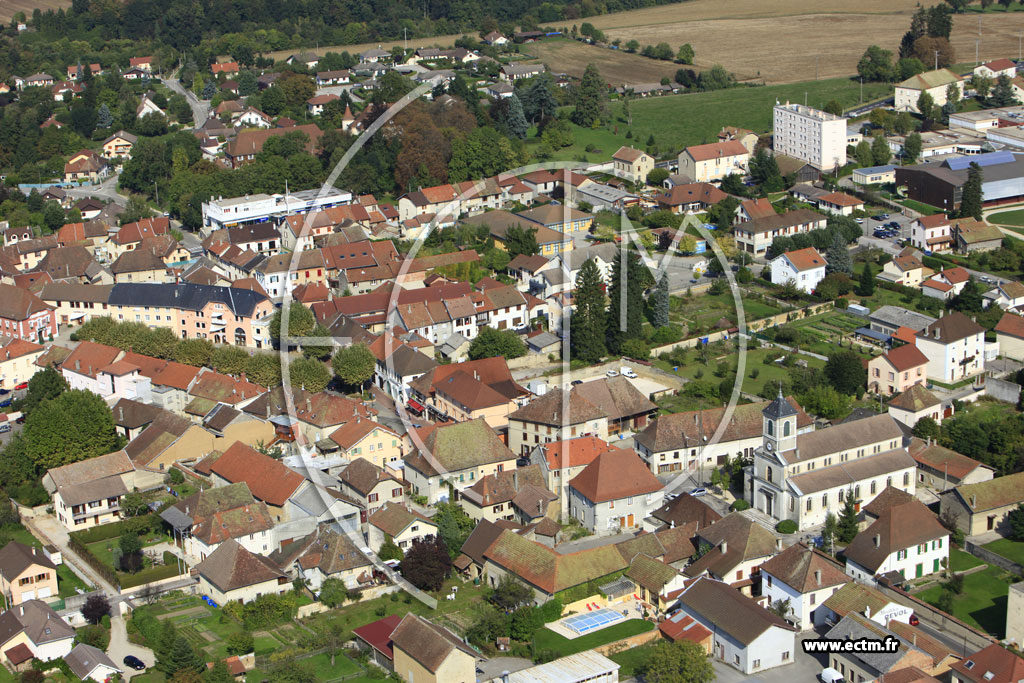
point(786, 526)
point(740, 504)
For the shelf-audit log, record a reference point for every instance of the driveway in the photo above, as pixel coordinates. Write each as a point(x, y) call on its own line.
point(120, 648)
point(46, 528)
point(804, 668)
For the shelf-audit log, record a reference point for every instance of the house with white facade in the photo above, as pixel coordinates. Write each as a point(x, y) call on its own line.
point(804, 267)
point(205, 520)
point(996, 68)
point(935, 83)
point(232, 572)
point(713, 161)
point(399, 523)
point(946, 284)
point(1006, 295)
point(955, 347)
point(915, 404)
point(804, 577)
point(33, 630)
point(614, 493)
point(932, 233)
point(860, 598)
point(746, 635)
point(905, 538)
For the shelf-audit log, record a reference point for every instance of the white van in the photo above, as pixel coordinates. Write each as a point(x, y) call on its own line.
point(830, 675)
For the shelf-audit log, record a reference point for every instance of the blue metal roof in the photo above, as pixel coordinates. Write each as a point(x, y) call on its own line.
point(877, 169)
point(872, 334)
point(987, 159)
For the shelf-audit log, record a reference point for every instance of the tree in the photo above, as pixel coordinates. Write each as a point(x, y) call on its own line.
point(1016, 520)
point(660, 302)
point(520, 240)
point(53, 216)
point(453, 526)
point(354, 365)
point(310, 374)
point(969, 300)
point(229, 360)
point(333, 592)
point(590, 98)
point(632, 46)
point(833, 107)
point(427, 564)
point(588, 319)
point(134, 503)
point(264, 368)
point(824, 401)
point(538, 97)
point(131, 552)
point(678, 662)
point(194, 352)
point(953, 97)
point(76, 425)
point(908, 67)
point(926, 107)
point(845, 372)
point(509, 117)
point(838, 260)
point(973, 194)
point(723, 213)
point(764, 170)
point(95, 608)
point(182, 657)
point(846, 528)
point(981, 84)
point(45, 385)
point(880, 152)
point(389, 550)
point(209, 90)
point(715, 78)
point(686, 54)
point(630, 311)
point(927, 428)
point(219, 673)
point(866, 284)
point(491, 343)
point(865, 157)
point(912, 147)
point(829, 531)
point(104, 119)
point(509, 595)
point(876, 65)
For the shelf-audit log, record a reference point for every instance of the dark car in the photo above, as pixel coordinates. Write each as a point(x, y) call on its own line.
point(133, 662)
point(914, 621)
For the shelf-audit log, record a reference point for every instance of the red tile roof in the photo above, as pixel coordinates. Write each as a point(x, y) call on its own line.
point(1001, 65)
point(613, 475)
point(934, 221)
point(905, 357)
point(683, 628)
point(573, 452)
point(89, 357)
point(1012, 325)
point(377, 634)
point(805, 259)
point(1003, 665)
point(712, 150)
point(268, 479)
point(841, 199)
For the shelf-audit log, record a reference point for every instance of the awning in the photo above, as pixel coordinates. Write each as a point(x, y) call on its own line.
point(415, 405)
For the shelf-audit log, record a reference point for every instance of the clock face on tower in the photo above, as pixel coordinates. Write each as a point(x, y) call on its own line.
point(768, 445)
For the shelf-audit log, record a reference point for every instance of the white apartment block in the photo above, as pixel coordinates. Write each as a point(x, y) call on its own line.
point(815, 136)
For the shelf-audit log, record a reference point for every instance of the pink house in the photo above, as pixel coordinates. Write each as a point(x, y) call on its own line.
point(897, 370)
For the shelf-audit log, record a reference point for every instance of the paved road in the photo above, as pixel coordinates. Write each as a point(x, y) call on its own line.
point(120, 648)
point(49, 530)
point(107, 190)
point(859, 111)
point(200, 108)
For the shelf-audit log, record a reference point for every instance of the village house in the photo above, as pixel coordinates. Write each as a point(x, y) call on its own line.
point(690, 198)
point(737, 546)
point(119, 144)
point(904, 269)
point(931, 233)
point(34, 630)
point(207, 519)
point(869, 666)
point(616, 491)
point(425, 652)
point(85, 166)
point(805, 268)
point(747, 636)
point(18, 361)
point(399, 523)
point(365, 439)
point(26, 573)
point(322, 555)
point(231, 572)
point(459, 453)
point(470, 390)
point(915, 404)
point(935, 83)
point(854, 598)
point(713, 161)
point(897, 370)
point(632, 164)
point(542, 420)
point(946, 284)
point(517, 495)
point(560, 462)
point(804, 577)
point(906, 538)
point(371, 486)
point(89, 493)
point(91, 663)
point(996, 68)
point(992, 664)
point(757, 235)
point(955, 347)
point(1007, 295)
point(1010, 336)
point(983, 506)
point(940, 468)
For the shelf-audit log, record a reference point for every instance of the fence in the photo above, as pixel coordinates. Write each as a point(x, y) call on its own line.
point(972, 639)
point(629, 643)
point(993, 558)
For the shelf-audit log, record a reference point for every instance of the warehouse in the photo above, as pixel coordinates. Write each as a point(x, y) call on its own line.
point(940, 183)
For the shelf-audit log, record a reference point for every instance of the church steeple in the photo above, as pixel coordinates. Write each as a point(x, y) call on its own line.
point(779, 424)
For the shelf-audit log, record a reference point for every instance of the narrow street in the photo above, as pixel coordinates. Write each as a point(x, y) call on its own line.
point(107, 190)
point(120, 648)
point(47, 529)
point(200, 108)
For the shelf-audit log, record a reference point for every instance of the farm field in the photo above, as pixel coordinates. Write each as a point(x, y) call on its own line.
point(617, 66)
point(11, 7)
point(663, 116)
point(839, 32)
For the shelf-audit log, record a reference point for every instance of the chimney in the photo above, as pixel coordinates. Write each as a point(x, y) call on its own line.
point(974, 500)
point(724, 547)
point(309, 405)
point(22, 609)
point(817, 576)
point(878, 540)
point(504, 677)
point(867, 611)
point(515, 480)
point(120, 414)
point(778, 544)
point(78, 364)
point(672, 524)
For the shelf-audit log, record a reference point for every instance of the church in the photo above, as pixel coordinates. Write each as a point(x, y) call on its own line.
point(804, 476)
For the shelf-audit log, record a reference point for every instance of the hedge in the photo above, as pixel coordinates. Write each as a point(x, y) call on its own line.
point(115, 529)
point(147, 575)
point(786, 526)
point(83, 551)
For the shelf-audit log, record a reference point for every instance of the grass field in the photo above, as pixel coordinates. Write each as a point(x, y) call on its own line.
point(546, 639)
point(630, 660)
point(1011, 550)
point(617, 66)
point(982, 603)
point(1015, 217)
point(678, 121)
point(961, 561)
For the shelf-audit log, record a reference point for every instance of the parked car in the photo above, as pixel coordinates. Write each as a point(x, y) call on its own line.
point(577, 382)
point(914, 621)
point(133, 662)
point(698, 492)
point(830, 675)
point(5, 427)
point(19, 387)
point(628, 372)
point(612, 373)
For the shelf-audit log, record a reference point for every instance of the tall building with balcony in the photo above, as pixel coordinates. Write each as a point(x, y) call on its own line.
point(809, 134)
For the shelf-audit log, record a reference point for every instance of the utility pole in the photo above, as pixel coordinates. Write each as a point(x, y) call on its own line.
point(862, 90)
point(976, 41)
point(405, 33)
point(936, 60)
point(1019, 36)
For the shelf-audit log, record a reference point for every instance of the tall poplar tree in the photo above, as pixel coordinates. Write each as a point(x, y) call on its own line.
point(588, 319)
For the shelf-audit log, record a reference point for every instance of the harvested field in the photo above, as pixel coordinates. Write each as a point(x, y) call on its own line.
point(8, 8)
point(617, 66)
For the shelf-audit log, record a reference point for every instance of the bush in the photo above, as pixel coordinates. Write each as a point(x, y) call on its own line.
point(147, 575)
point(786, 526)
point(740, 504)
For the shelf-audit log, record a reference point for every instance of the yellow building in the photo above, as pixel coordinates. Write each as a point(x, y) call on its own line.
point(428, 653)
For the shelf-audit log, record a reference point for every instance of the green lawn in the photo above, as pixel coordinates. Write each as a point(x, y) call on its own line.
point(321, 664)
point(982, 603)
point(961, 561)
point(920, 207)
point(630, 660)
point(1015, 217)
point(546, 639)
point(104, 550)
point(1011, 550)
point(748, 107)
point(701, 312)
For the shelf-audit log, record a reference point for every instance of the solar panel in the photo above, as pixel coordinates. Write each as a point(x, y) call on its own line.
point(591, 621)
point(988, 159)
